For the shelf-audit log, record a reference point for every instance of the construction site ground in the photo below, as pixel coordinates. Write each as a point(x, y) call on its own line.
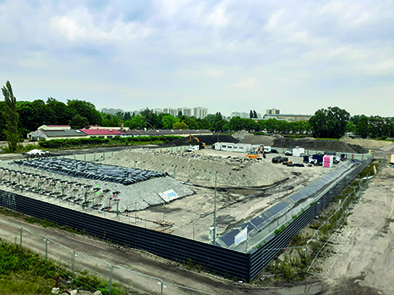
point(360, 261)
point(235, 203)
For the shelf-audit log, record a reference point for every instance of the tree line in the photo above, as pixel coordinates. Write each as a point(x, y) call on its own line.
point(17, 118)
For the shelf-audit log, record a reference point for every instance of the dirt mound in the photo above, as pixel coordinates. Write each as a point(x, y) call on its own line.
point(259, 139)
point(366, 143)
point(201, 169)
point(320, 145)
point(389, 148)
point(241, 134)
point(207, 139)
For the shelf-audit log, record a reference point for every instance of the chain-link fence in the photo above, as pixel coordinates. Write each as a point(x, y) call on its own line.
point(81, 263)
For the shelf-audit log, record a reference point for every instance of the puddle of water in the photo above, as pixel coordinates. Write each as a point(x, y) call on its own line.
point(303, 289)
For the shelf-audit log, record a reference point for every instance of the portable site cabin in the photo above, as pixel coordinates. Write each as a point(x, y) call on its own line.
point(298, 151)
point(232, 147)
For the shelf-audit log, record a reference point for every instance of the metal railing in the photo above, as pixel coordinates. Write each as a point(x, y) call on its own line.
point(322, 236)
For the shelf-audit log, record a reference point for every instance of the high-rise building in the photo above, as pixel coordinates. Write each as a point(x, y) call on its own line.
point(272, 112)
point(200, 112)
point(187, 112)
point(112, 111)
point(158, 111)
point(173, 112)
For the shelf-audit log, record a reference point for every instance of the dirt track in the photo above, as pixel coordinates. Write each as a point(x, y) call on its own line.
point(364, 259)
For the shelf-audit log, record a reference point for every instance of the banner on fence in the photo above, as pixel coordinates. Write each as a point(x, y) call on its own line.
point(241, 236)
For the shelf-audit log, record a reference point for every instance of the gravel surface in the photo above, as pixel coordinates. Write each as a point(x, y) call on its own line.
point(364, 259)
point(234, 170)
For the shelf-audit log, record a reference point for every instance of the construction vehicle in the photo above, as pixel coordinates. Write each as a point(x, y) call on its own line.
point(255, 155)
point(201, 145)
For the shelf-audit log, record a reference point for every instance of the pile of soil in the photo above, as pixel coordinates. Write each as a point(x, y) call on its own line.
point(306, 143)
point(200, 169)
point(207, 139)
point(241, 134)
point(366, 143)
point(259, 139)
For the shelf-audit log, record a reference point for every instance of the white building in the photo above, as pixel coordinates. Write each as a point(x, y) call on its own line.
point(272, 112)
point(200, 112)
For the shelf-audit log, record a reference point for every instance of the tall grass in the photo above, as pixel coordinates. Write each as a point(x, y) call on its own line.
point(23, 272)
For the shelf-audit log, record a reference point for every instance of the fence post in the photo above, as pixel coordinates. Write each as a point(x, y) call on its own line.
point(110, 279)
point(72, 263)
point(46, 249)
point(306, 255)
point(20, 239)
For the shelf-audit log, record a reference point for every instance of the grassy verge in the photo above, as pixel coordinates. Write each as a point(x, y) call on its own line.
point(24, 272)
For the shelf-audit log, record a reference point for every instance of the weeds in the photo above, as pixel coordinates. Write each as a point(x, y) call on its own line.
point(24, 272)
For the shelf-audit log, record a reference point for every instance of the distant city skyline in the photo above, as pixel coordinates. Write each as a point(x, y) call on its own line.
point(228, 56)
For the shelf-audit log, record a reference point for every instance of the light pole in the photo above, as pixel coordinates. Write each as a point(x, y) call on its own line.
point(214, 210)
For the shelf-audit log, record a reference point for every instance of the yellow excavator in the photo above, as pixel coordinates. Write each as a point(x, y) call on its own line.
point(201, 145)
point(256, 155)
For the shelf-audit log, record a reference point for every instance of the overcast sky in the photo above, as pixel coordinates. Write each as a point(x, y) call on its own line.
point(297, 56)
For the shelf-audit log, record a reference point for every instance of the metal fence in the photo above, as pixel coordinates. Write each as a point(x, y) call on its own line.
point(77, 262)
point(355, 156)
point(305, 255)
point(245, 266)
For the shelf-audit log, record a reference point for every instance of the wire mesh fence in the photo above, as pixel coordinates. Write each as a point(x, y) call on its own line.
point(79, 264)
point(300, 259)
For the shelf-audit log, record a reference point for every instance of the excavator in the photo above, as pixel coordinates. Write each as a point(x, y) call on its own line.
point(256, 155)
point(201, 145)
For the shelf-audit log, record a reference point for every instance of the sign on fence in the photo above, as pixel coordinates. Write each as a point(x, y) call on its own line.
point(168, 195)
point(241, 236)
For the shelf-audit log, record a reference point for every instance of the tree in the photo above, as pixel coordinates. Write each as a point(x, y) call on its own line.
point(251, 114)
point(180, 125)
point(254, 114)
point(136, 122)
point(11, 117)
point(62, 113)
point(168, 121)
point(85, 109)
point(78, 122)
point(329, 123)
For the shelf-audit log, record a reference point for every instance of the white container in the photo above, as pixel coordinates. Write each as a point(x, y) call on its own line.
point(298, 151)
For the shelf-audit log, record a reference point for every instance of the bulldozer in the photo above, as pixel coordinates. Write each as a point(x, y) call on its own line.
point(201, 145)
point(256, 155)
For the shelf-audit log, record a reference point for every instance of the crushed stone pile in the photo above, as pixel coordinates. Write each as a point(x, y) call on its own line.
point(207, 139)
point(201, 169)
point(366, 143)
point(259, 139)
point(240, 134)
